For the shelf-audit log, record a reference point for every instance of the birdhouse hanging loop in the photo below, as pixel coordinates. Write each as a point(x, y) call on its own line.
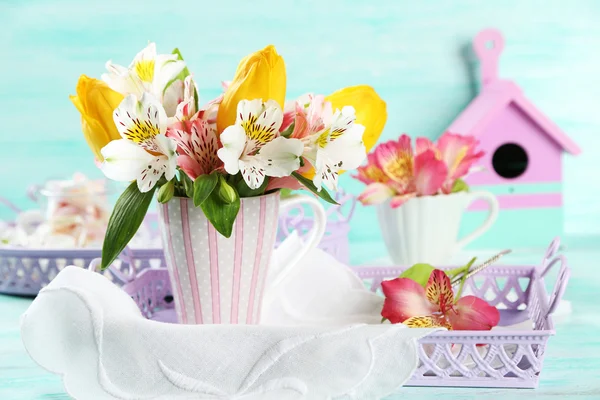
point(488, 46)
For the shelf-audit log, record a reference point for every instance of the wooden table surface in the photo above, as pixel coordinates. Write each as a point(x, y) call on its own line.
point(571, 366)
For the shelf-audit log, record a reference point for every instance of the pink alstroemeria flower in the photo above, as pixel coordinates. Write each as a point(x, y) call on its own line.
point(458, 152)
point(394, 172)
point(409, 303)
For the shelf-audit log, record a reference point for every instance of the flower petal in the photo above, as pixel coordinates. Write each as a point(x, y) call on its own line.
point(253, 171)
point(124, 160)
point(375, 193)
point(396, 160)
point(205, 144)
point(166, 68)
point(141, 121)
point(261, 122)
point(281, 156)
point(326, 173)
point(427, 321)
point(370, 110)
point(172, 97)
point(167, 147)
point(187, 107)
point(439, 290)
point(397, 201)
point(371, 172)
point(423, 144)
point(404, 298)
point(260, 75)
point(473, 313)
point(430, 173)
point(156, 168)
point(234, 141)
point(458, 152)
point(346, 151)
point(190, 166)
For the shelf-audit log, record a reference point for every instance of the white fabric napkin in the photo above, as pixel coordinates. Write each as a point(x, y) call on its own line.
point(91, 332)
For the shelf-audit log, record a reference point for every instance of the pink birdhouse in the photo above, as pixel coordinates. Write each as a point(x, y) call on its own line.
point(523, 161)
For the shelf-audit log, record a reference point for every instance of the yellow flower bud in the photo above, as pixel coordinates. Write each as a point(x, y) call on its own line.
point(260, 75)
point(96, 103)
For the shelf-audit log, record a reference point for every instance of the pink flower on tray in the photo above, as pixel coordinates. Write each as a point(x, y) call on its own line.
point(409, 303)
point(394, 172)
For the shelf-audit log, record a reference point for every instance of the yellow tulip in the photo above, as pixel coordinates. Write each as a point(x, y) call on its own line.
point(369, 108)
point(370, 111)
point(96, 103)
point(260, 75)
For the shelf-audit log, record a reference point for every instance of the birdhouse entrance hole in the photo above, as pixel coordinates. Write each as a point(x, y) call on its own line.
point(510, 160)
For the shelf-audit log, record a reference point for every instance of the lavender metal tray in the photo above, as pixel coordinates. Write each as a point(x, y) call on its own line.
point(505, 357)
point(24, 271)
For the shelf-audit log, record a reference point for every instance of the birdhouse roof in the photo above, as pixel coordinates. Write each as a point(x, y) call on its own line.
point(498, 94)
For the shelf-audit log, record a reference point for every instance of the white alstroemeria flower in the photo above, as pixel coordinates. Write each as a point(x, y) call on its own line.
point(254, 147)
point(145, 153)
point(148, 72)
point(338, 146)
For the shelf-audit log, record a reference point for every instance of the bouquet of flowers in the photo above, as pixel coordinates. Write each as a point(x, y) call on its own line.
point(145, 123)
point(396, 172)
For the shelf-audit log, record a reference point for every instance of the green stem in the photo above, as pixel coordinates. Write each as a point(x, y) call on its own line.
point(465, 269)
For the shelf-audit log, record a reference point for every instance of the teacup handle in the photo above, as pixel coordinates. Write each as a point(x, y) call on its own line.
point(311, 239)
point(487, 224)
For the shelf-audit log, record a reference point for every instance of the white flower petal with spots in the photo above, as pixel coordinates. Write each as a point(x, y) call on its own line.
point(233, 139)
point(338, 146)
point(145, 153)
point(281, 156)
point(254, 147)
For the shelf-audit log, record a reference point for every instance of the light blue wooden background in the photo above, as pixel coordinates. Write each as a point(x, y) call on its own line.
point(416, 54)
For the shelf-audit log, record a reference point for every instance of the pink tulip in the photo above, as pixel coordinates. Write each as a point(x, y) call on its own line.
point(434, 306)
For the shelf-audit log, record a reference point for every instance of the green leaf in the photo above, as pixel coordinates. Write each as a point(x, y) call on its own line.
point(460, 186)
point(188, 184)
point(419, 273)
point(166, 192)
point(285, 193)
point(324, 194)
point(204, 185)
point(221, 214)
point(125, 220)
point(245, 191)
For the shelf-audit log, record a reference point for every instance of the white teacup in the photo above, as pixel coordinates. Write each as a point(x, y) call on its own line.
point(425, 229)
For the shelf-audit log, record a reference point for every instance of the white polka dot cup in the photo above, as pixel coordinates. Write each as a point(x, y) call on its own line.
point(219, 280)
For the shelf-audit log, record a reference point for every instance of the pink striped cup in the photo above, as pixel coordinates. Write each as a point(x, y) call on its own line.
point(219, 280)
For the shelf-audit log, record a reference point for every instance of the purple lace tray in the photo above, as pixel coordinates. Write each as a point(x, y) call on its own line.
point(25, 271)
point(505, 357)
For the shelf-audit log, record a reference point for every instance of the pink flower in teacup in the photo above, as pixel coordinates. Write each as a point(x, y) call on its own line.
point(408, 302)
point(458, 153)
point(395, 173)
